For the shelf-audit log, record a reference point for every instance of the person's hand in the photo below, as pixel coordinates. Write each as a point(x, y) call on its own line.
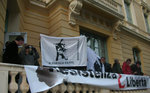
point(135, 72)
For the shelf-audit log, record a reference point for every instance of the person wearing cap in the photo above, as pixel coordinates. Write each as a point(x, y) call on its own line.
point(136, 68)
point(29, 55)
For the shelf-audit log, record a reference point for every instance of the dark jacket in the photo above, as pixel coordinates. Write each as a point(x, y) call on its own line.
point(116, 68)
point(11, 53)
point(107, 67)
point(97, 66)
point(136, 69)
point(31, 58)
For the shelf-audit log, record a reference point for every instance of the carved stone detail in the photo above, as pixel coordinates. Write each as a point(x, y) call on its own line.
point(74, 10)
point(116, 29)
point(24, 85)
point(55, 89)
point(13, 86)
point(70, 88)
point(146, 7)
point(62, 88)
point(95, 19)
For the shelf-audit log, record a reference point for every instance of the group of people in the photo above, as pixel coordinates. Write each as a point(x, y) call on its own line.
point(103, 66)
point(27, 55)
point(134, 69)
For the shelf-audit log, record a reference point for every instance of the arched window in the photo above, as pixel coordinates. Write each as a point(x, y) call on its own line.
point(136, 54)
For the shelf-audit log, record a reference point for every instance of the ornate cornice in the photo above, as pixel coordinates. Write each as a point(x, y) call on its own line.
point(124, 28)
point(95, 19)
point(109, 6)
point(146, 7)
point(42, 3)
point(38, 3)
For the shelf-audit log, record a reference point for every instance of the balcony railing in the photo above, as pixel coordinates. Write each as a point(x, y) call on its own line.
point(13, 78)
point(108, 6)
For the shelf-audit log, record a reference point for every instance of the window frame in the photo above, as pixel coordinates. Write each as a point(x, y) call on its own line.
point(147, 23)
point(136, 54)
point(100, 41)
point(9, 34)
point(128, 11)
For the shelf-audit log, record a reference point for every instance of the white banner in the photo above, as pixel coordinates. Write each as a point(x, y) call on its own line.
point(63, 51)
point(41, 79)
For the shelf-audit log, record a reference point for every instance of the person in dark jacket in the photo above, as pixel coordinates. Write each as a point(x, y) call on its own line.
point(105, 67)
point(97, 66)
point(29, 55)
point(116, 67)
point(11, 52)
point(136, 68)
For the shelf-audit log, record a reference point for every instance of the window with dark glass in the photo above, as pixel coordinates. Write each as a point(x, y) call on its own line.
point(146, 22)
point(128, 11)
point(97, 43)
point(136, 54)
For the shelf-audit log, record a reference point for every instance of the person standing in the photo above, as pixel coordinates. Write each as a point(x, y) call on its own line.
point(97, 66)
point(11, 52)
point(136, 68)
point(105, 67)
point(116, 67)
point(29, 55)
point(126, 69)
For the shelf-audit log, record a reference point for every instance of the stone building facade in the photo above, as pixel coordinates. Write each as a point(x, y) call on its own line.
point(114, 28)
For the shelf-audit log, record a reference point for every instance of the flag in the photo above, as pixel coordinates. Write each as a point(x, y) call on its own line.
point(63, 51)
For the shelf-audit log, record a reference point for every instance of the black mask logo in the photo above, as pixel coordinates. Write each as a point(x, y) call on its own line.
point(60, 48)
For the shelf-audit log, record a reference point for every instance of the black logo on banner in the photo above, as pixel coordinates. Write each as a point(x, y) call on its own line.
point(60, 48)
